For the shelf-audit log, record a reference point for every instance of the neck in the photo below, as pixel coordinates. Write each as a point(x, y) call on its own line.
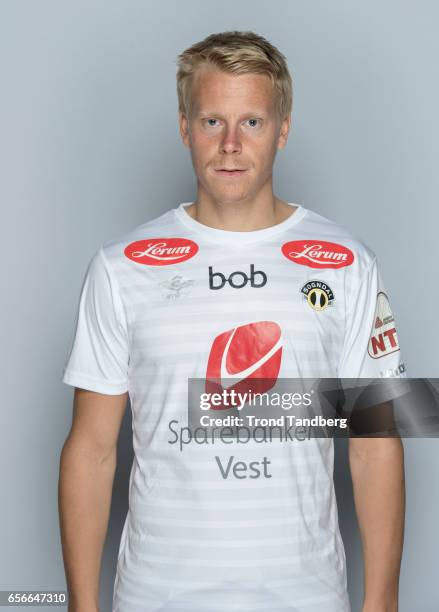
point(246, 215)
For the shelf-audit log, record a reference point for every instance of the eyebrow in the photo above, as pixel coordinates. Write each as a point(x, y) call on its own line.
point(255, 113)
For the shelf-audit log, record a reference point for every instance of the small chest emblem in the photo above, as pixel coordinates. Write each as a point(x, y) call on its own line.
point(317, 294)
point(175, 287)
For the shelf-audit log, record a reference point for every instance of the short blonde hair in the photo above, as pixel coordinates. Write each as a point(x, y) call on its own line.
point(236, 53)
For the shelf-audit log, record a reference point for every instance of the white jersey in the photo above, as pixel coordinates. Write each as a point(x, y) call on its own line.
point(221, 526)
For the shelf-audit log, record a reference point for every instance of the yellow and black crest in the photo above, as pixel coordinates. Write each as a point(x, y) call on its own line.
point(318, 294)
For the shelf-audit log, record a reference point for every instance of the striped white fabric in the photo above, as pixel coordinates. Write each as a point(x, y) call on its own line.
point(174, 299)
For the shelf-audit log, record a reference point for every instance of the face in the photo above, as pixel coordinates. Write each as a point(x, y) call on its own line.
point(233, 133)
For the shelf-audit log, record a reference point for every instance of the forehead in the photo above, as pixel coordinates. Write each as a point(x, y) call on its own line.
point(214, 89)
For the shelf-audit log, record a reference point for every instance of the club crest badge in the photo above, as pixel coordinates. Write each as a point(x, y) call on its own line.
point(318, 295)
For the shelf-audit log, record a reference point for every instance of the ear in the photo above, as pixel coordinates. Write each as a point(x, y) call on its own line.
point(184, 129)
point(283, 132)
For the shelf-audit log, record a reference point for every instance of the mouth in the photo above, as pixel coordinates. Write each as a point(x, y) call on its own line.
point(230, 171)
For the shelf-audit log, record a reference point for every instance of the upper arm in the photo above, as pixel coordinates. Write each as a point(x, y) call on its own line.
point(97, 419)
point(97, 363)
point(371, 347)
point(99, 354)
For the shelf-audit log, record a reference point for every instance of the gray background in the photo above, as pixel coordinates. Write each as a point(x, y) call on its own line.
point(89, 148)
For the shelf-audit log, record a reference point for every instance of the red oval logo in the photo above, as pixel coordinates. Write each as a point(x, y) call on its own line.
point(318, 253)
point(161, 251)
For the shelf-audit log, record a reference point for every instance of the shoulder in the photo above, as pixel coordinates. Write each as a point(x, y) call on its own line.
point(164, 225)
point(332, 239)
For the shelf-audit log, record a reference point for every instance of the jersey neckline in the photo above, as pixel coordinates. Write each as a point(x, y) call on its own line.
point(239, 237)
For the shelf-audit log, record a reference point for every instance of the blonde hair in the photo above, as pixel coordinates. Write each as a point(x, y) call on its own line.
point(235, 52)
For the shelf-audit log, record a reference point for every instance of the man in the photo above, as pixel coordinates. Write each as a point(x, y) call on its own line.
point(237, 284)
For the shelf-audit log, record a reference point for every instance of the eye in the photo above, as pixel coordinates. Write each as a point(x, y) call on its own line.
point(254, 122)
point(211, 122)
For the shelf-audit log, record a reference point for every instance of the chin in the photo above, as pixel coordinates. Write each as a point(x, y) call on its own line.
point(234, 193)
point(230, 197)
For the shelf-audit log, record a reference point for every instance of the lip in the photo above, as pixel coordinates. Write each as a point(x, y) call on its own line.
point(235, 172)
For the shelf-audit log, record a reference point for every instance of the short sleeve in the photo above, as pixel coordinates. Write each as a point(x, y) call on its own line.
point(98, 357)
point(371, 347)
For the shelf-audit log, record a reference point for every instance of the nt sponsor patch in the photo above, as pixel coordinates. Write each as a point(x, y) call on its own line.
point(383, 339)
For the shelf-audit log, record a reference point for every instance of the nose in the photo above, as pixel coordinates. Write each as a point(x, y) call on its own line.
point(231, 142)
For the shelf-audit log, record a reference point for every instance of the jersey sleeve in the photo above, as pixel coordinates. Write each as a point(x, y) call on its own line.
point(371, 347)
point(98, 357)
